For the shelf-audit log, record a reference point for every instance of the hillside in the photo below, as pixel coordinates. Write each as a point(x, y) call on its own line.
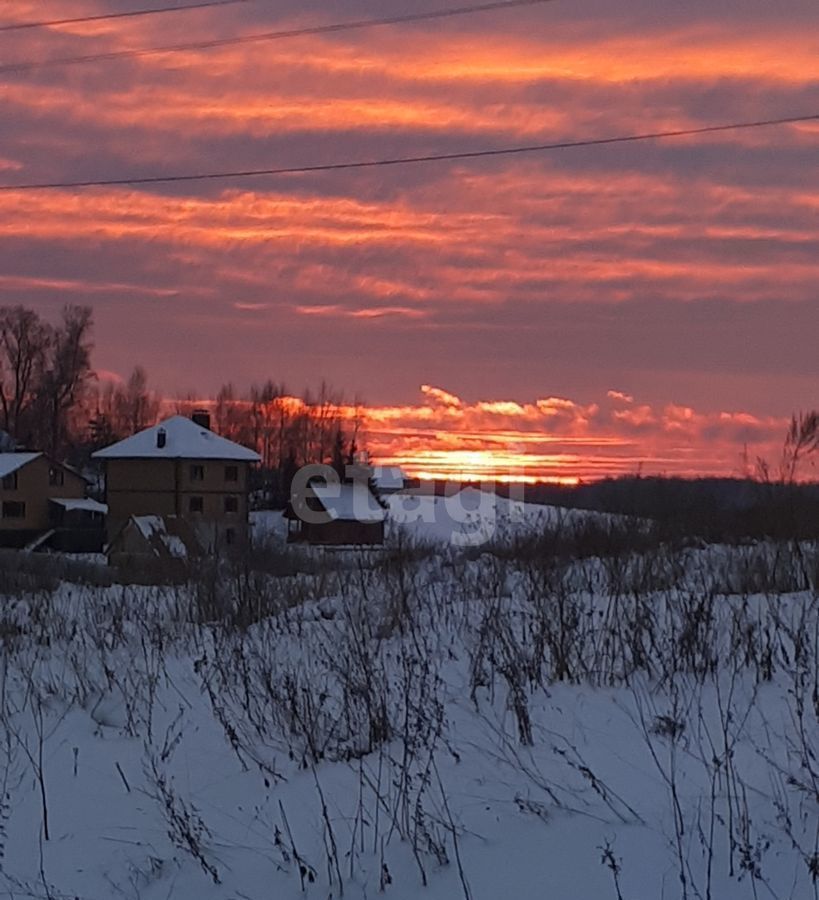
point(434, 721)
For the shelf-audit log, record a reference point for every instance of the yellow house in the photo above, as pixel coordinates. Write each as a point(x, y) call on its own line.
point(179, 468)
point(31, 486)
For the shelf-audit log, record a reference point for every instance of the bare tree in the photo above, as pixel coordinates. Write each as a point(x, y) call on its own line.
point(801, 440)
point(24, 344)
point(137, 406)
point(227, 413)
point(68, 372)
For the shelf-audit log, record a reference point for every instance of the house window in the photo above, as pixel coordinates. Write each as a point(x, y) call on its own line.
point(197, 473)
point(10, 482)
point(231, 504)
point(196, 504)
point(231, 473)
point(230, 535)
point(56, 477)
point(14, 509)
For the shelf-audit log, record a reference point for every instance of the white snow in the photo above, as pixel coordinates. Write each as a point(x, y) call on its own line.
point(11, 462)
point(149, 525)
point(86, 504)
point(268, 523)
point(471, 516)
point(349, 502)
point(184, 439)
point(174, 760)
point(466, 517)
point(176, 546)
point(439, 726)
point(389, 478)
point(154, 527)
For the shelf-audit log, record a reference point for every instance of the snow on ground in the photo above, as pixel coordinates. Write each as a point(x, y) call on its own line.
point(469, 517)
point(449, 727)
point(268, 524)
point(472, 517)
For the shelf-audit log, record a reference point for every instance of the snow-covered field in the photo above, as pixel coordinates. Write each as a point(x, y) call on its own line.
point(467, 518)
point(472, 517)
point(433, 723)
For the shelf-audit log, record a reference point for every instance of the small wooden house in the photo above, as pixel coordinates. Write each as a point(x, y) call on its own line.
point(167, 542)
point(333, 514)
point(78, 524)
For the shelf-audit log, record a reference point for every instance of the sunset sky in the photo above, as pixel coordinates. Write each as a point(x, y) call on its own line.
point(568, 314)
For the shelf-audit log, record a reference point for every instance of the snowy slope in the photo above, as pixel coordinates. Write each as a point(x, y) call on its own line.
point(448, 729)
point(467, 518)
point(471, 517)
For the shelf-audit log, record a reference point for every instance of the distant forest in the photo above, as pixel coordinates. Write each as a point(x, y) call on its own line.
point(51, 399)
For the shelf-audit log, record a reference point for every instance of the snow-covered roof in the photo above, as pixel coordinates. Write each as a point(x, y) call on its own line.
point(350, 502)
point(184, 439)
point(11, 462)
point(85, 503)
point(155, 530)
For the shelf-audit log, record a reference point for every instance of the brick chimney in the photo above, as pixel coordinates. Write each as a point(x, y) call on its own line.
point(202, 418)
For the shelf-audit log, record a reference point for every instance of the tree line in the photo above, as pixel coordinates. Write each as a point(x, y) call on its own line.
point(51, 399)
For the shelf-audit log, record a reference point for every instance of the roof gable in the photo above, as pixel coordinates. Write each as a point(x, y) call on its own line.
point(184, 439)
point(163, 537)
point(11, 462)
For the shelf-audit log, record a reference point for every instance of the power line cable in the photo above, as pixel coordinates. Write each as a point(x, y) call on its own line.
point(331, 28)
point(409, 160)
point(130, 14)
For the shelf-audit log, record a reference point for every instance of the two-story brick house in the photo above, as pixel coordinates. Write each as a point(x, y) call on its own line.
point(34, 490)
point(180, 468)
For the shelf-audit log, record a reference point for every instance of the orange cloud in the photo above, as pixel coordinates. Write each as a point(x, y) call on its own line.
point(509, 441)
point(444, 398)
point(619, 395)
